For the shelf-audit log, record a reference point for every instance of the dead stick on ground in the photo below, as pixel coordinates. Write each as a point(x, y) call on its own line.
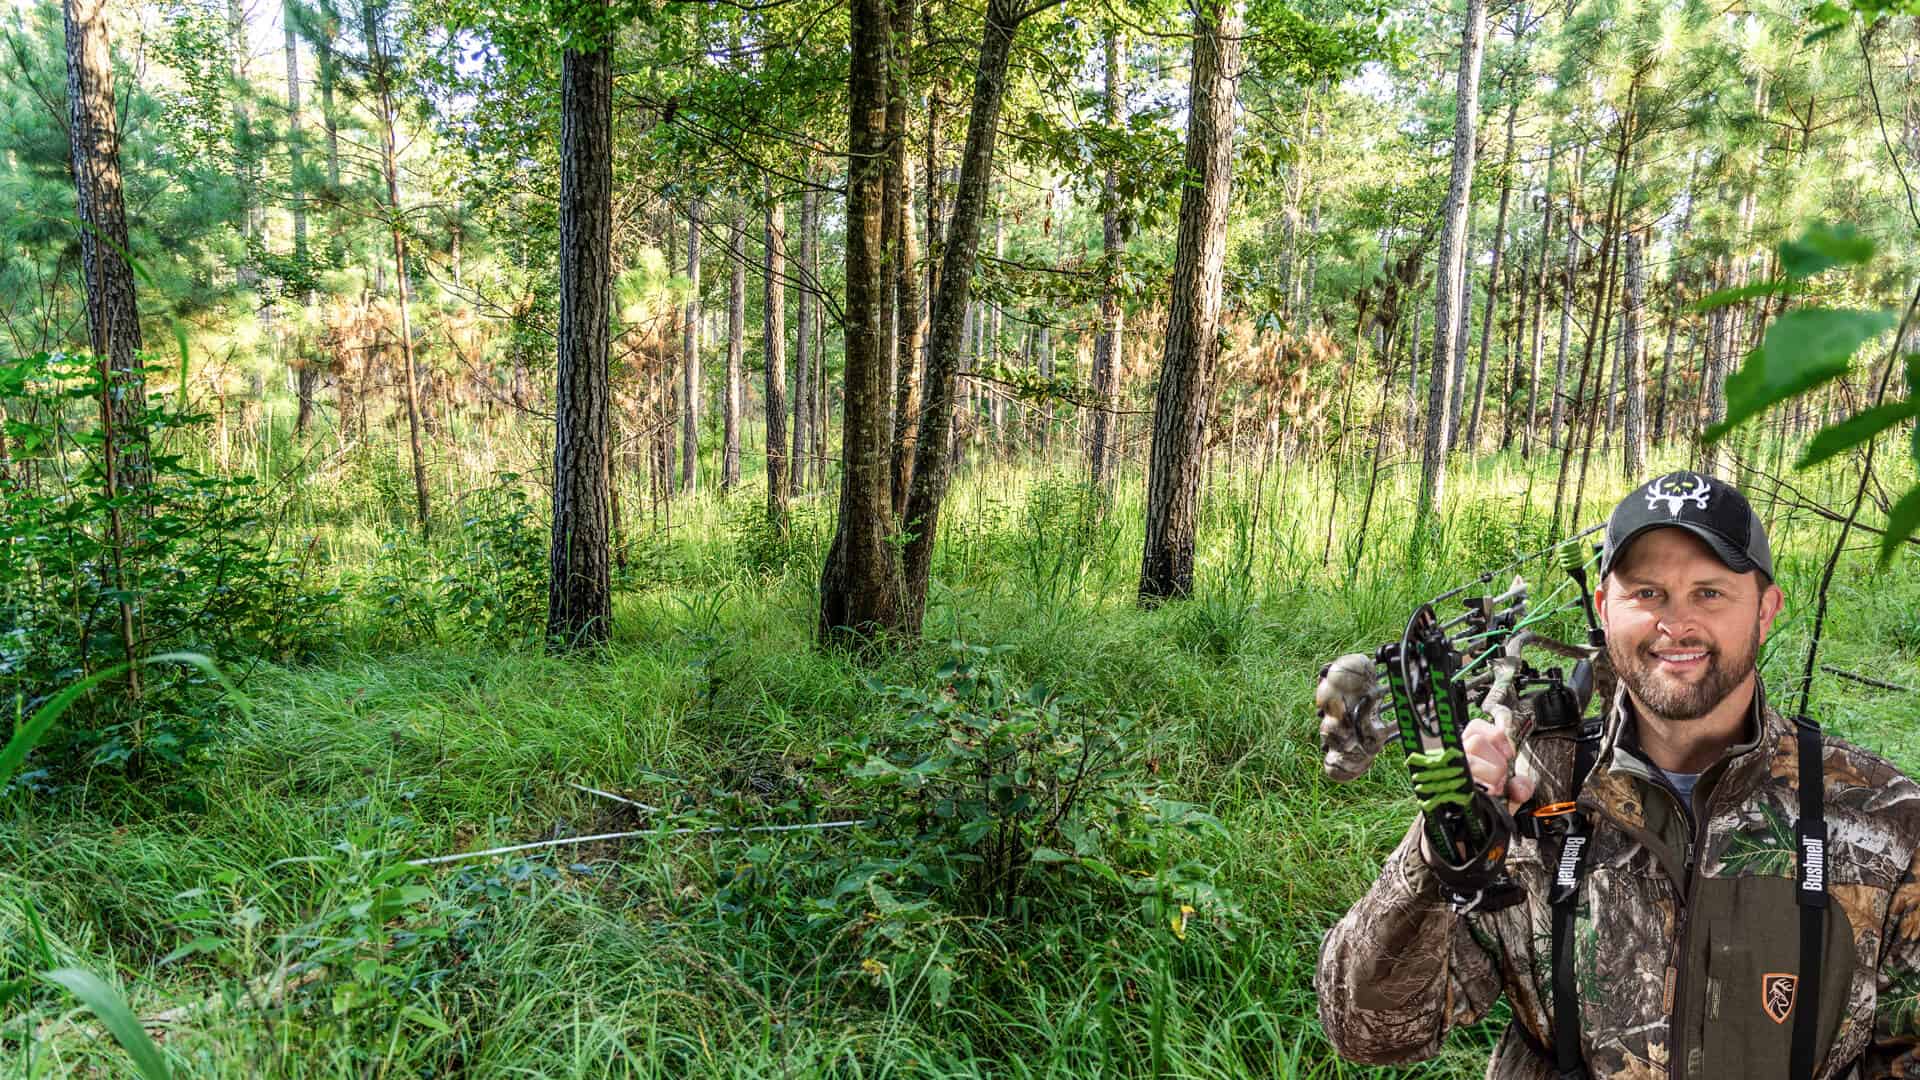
point(635, 834)
point(1845, 674)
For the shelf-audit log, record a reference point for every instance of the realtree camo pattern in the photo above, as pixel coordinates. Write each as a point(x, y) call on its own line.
point(1401, 969)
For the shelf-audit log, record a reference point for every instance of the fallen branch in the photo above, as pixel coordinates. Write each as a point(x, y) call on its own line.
point(633, 835)
point(611, 795)
point(1845, 674)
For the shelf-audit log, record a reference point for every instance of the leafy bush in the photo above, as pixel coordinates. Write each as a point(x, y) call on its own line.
point(489, 585)
point(497, 585)
point(195, 565)
point(1010, 803)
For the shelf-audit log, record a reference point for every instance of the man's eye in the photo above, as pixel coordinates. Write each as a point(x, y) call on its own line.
point(1646, 594)
point(1709, 594)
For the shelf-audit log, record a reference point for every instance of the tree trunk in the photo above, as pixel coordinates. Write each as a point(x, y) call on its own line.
point(1600, 320)
point(906, 281)
point(1536, 337)
point(1450, 296)
point(807, 370)
point(690, 361)
point(382, 75)
point(304, 372)
point(779, 475)
point(580, 588)
point(931, 467)
point(1666, 363)
point(1184, 401)
point(736, 348)
point(1556, 437)
point(113, 314)
point(1632, 374)
point(1493, 280)
point(1106, 348)
point(861, 602)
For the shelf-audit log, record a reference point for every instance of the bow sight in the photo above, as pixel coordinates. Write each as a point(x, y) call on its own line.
point(1427, 681)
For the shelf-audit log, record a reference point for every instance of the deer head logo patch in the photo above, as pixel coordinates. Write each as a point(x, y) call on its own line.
point(1676, 491)
point(1776, 995)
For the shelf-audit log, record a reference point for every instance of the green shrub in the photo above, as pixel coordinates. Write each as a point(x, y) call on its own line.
point(1009, 803)
point(196, 565)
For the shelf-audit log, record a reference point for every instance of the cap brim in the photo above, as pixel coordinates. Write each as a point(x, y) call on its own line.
point(1728, 552)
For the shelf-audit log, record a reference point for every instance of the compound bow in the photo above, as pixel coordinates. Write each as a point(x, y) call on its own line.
point(1430, 679)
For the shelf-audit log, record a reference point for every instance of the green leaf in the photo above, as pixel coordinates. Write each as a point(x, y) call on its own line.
point(116, 1017)
point(1823, 247)
point(29, 734)
point(1725, 297)
point(1803, 349)
point(1913, 374)
point(1855, 430)
point(1902, 521)
point(1050, 855)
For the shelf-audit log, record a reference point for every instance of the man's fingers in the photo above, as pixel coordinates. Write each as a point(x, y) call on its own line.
point(1519, 790)
point(1490, 774)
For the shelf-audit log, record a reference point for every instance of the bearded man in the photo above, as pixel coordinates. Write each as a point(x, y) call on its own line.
point(1734, 894)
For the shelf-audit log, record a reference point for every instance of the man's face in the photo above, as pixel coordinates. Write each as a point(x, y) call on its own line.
point(1682, 629)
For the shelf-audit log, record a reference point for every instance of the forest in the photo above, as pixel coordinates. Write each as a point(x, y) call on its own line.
point(793, 538)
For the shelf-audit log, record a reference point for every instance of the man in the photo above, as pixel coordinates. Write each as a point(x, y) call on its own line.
point(1695, 932)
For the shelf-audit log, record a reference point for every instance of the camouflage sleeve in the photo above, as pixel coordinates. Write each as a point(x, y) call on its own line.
point(1895, 1048)
point(1401, 968)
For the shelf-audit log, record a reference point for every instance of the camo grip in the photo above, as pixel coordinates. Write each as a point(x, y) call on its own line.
point(1352, 729)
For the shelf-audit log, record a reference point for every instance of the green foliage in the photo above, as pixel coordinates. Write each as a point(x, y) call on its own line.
point(1803, 350)
point(195, 563)
point(111, 1008)
point(1808, 347)
point(1009, 802)
point(489, 584)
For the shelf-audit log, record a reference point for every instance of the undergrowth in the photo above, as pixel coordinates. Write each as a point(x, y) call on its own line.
point(1093, 841)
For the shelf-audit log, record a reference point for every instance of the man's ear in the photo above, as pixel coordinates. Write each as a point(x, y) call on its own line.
point(1771, 601)
point(1600, 602)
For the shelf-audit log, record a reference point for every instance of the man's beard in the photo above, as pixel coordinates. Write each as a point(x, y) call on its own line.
point(1673, 699)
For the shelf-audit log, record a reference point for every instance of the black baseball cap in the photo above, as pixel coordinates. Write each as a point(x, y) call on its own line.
point(1709, 508)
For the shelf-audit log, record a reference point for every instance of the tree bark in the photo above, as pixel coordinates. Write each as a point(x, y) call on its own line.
point(1106, 349)
point(580, 589)
point(911, 331)
point(1450, 279)
point(806, 376)
point(1184, 401)
point(774, 324)
point(1493, 279)
point(932, 465)
point(113, 314)
point(861, 601)
point(1556, 437)
point(1633, 363)
point(736, 348)
point(1535, 333)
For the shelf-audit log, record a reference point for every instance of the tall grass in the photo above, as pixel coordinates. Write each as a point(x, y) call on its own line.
point(270, 927)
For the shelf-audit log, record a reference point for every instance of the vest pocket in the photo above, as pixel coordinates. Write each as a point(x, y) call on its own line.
point(1753, 991)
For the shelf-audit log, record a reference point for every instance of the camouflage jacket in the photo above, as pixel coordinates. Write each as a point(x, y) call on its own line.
point(1685, 920)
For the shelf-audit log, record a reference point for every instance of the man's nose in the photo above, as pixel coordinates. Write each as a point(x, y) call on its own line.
point(1677, 625)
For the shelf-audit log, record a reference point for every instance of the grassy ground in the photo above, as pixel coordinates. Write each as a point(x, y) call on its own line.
point(262, 909)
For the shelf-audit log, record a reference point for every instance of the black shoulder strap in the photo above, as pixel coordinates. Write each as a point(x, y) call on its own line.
point(1568, 872)
point(1811, 893)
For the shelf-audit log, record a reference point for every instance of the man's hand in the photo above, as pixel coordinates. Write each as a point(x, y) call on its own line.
point(1351, 729)
point(1490, 756)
